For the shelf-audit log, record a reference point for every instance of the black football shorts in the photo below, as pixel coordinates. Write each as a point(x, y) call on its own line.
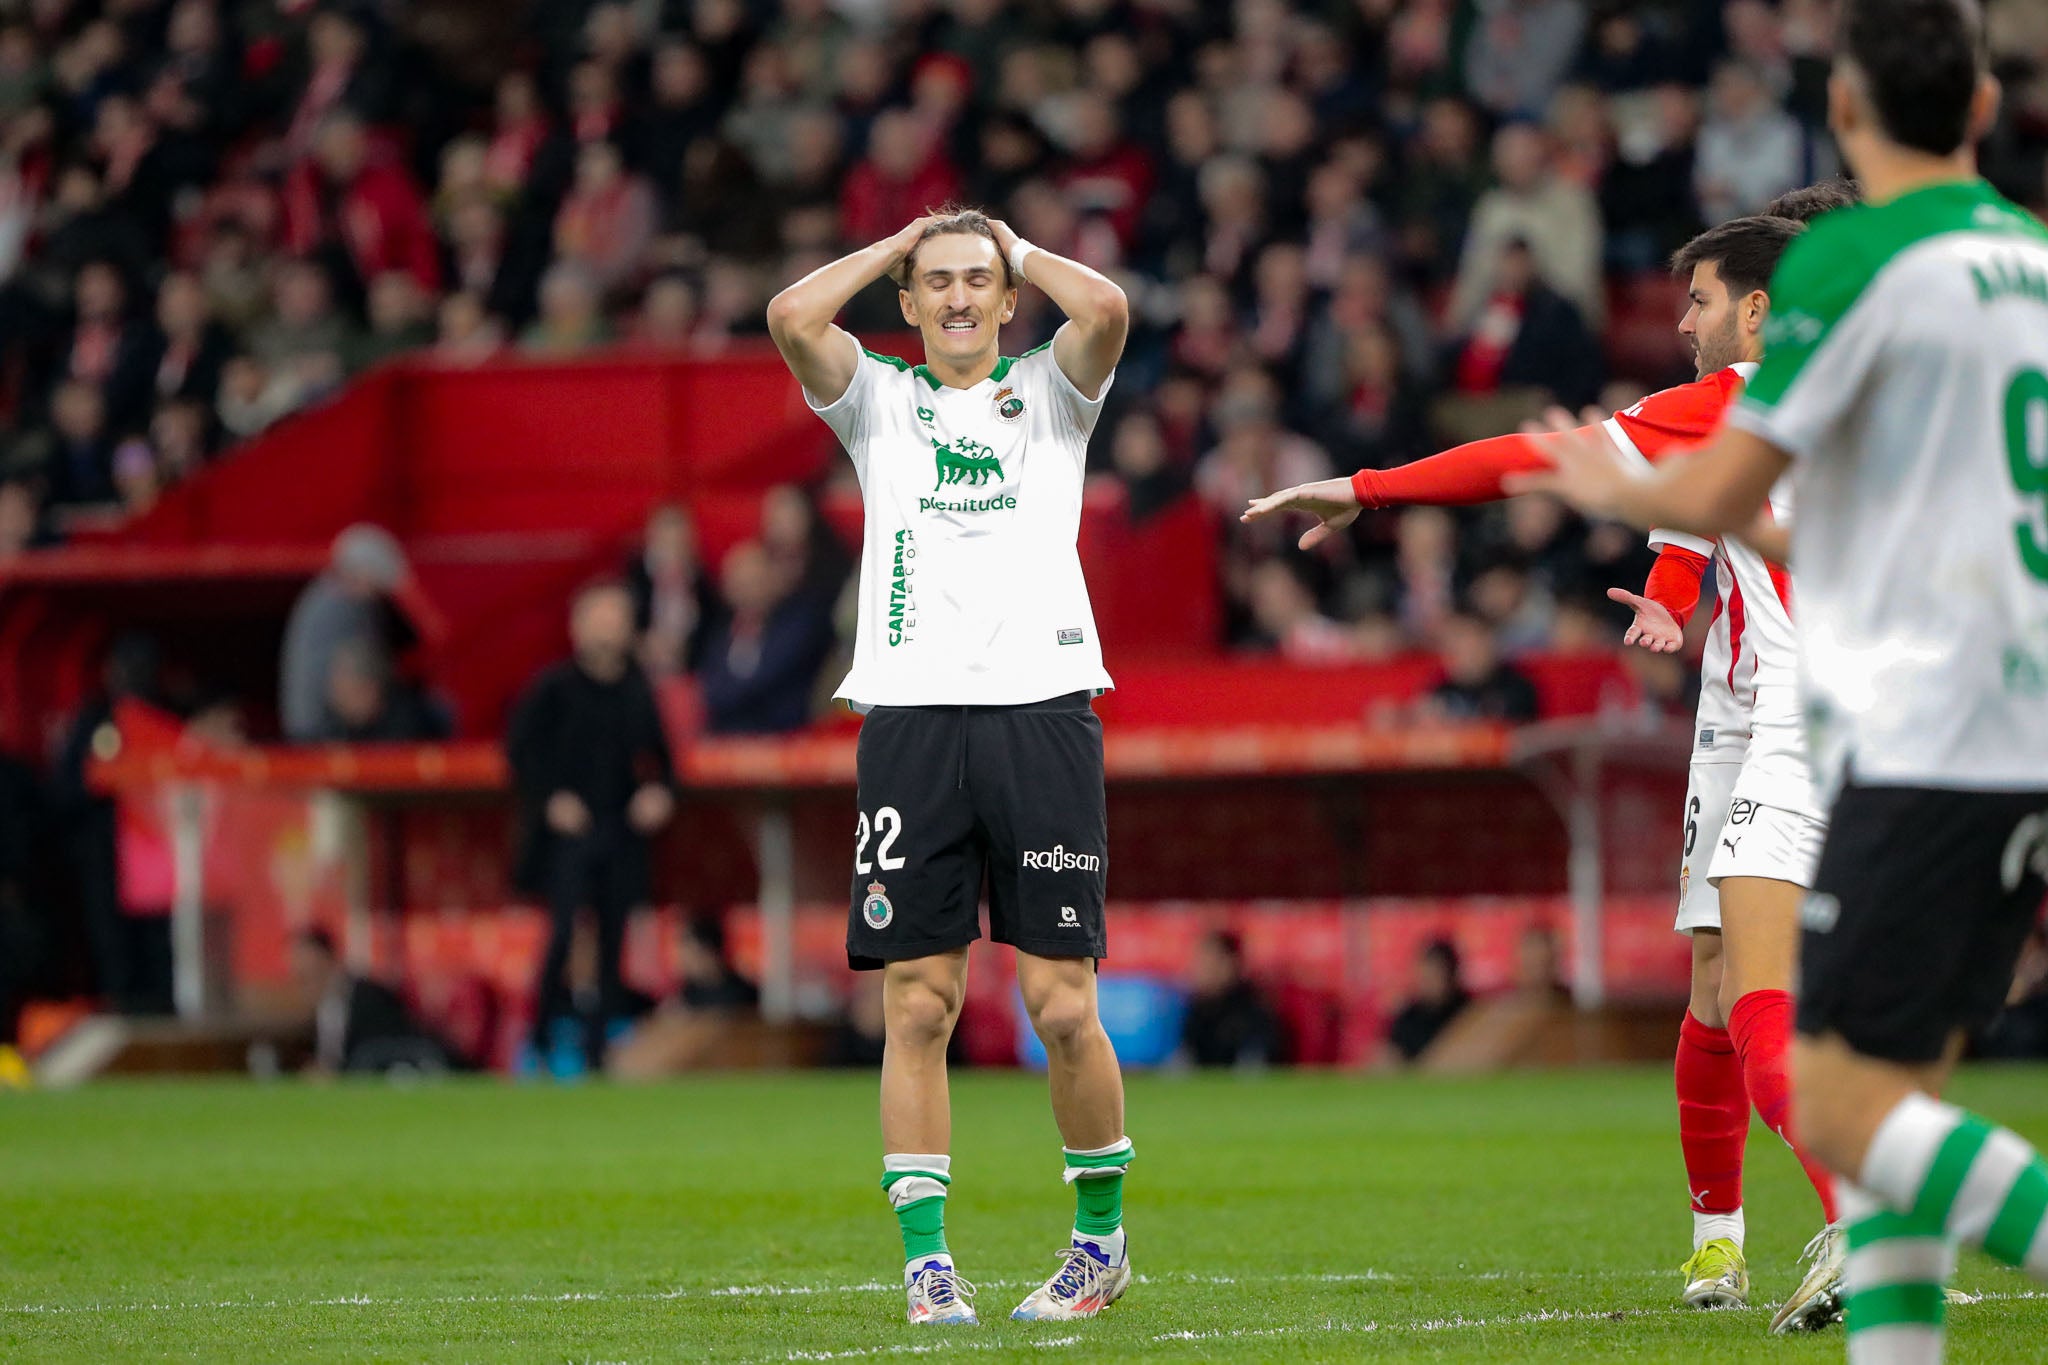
point(950, 794)
point(1918, 911)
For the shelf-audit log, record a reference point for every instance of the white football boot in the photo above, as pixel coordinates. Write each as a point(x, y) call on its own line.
point(1817, 1301)
point(938, 1296)
point(1084, 1285)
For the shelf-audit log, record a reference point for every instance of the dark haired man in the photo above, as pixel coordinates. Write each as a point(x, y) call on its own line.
point(1906, 388)
point(1752, 827)
point(975, 660)
point(596, 782)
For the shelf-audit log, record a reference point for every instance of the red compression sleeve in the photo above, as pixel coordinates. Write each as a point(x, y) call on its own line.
point(1760, 1025)
point(1458, 477)
point(1713, 1115)
point(1674, 582)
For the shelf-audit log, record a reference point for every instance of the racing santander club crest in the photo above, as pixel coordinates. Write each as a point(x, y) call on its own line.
point(876, 909)
point(1009, 406)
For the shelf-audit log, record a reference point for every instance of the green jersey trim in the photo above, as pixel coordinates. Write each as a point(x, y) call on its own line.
point(897, 361)
point(1003, 364)
point(1833, 265)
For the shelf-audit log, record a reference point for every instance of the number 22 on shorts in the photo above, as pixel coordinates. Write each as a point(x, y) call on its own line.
point(889, 825)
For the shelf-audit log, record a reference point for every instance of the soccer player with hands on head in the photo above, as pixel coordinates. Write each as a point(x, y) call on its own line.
point(1753, 828)
point(975, 663)
point(1906, 390)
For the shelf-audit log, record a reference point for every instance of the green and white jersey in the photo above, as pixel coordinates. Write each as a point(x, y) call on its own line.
point(1906, 374)
point(970, 579)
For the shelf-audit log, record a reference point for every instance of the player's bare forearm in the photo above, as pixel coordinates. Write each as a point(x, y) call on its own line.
point(820, 355)
point(1091, 341)
point(1714, 491)
point(1771, 539)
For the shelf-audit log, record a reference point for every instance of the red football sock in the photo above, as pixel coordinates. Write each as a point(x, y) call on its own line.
point(1713, 1116)
point(1761, 1024)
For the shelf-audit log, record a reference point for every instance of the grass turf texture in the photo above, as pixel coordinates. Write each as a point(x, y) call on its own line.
point(1531, 1218)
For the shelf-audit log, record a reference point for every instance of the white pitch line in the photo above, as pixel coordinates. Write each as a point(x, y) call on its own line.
point(1228, 1333)
point(1450, 1324)
point(347, 1301)
point(795, 1290)
point(925, 1348)
point(1453, 1323)
point(1367, 1276)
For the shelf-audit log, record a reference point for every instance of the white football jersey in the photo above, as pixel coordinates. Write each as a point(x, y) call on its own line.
point(1906, 374)
point(971, 591)
point(1749, 667)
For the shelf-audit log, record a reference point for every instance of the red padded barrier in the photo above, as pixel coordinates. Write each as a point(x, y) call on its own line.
point(1274, 691)
point(296, 484)
point(524, 449)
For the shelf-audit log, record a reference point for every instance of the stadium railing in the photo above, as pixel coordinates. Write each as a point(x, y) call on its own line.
point(1414, 810)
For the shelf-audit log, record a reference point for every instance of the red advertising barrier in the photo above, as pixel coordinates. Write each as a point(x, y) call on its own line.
point(1336, 971)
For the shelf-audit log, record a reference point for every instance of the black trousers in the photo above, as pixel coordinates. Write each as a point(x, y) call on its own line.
point(599, 872)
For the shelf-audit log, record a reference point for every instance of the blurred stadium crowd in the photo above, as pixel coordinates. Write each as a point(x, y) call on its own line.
point(1353, 232)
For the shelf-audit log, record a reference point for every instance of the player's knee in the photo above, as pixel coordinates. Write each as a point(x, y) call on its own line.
point(1727, 991)
point(1709, 977)
point(1061, 1015)
point(921, 1012)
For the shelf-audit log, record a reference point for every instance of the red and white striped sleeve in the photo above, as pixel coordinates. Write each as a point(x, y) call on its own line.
point(1670, 422)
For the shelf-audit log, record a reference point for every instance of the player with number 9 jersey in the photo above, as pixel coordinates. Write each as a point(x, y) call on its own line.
point(1753, 830)
point(1905, 388)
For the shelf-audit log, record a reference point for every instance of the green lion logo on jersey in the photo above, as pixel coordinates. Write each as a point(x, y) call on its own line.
point(973, 463)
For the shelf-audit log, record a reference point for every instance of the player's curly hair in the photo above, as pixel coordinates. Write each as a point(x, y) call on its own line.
point(953, 220)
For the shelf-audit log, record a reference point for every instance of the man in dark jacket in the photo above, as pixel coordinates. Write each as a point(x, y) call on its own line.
point(595, 783)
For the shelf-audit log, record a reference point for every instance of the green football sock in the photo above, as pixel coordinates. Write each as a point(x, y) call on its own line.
point(1099, 1205)
point(1098, 1179)
point(916, 1183)
point(923, 1222)
point(1895, 1267)
point(1962, 1177)
point(1934, 1175)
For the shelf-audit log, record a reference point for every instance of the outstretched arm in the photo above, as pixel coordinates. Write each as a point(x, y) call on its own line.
point(1716, 490)
point(819, 354)
point(1091, 340)
point(1458, 477)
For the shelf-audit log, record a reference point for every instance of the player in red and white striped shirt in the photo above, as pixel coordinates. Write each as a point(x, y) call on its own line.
point(1753, 828)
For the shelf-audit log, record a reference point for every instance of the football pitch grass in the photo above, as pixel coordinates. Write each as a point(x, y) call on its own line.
point(1528, 1218)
